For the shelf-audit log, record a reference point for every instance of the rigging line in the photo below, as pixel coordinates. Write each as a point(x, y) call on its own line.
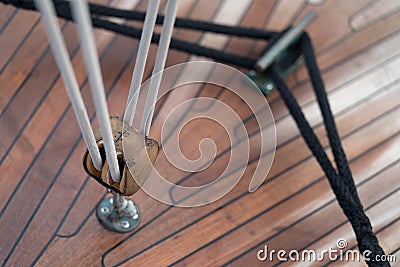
point(159, 65)
point(61, 55)
point(141, 58)
point(350, 206)
point(103, 10)
point(184, 23)
point(342, 183)
point(184, 46)
point(82, 17)
point(330, 125)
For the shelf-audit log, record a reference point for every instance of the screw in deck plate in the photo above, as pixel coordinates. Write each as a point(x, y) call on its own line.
point(268, 86)
point(112, 220)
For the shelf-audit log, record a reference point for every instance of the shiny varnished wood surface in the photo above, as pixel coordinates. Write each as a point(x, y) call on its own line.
point(47, 202)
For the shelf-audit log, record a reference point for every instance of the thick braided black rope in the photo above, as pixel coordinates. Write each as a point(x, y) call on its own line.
point(366, 237)
point(64, 11)
point(102, 10)
point(351, 206)
point(331, 129)
point(186, 23)
point(240, 61)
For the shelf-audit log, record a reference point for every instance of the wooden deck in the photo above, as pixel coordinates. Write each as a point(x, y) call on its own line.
point(47, 202)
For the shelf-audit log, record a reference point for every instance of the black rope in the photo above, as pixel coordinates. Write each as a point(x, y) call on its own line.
point(240, 61)
point(185, 23)
point(341, 181)
point(63, 10)
point(333, 136)
point(102, 10)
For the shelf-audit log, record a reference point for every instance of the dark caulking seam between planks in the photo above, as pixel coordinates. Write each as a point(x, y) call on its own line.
point(240, 196)
point(263, 242)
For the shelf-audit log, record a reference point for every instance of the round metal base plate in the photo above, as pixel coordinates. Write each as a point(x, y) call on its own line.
point(113, 221)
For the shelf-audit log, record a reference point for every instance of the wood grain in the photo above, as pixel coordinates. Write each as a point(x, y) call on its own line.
point(47, 202)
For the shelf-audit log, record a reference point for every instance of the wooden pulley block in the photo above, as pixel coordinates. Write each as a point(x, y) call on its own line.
point(137, 162)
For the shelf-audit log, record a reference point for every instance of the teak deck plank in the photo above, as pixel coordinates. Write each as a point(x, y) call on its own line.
point(47, 201)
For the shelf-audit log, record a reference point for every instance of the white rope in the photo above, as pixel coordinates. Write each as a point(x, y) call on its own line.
point(161, 57)
point(82, 17)
point(61, 55)
point(141, 58)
